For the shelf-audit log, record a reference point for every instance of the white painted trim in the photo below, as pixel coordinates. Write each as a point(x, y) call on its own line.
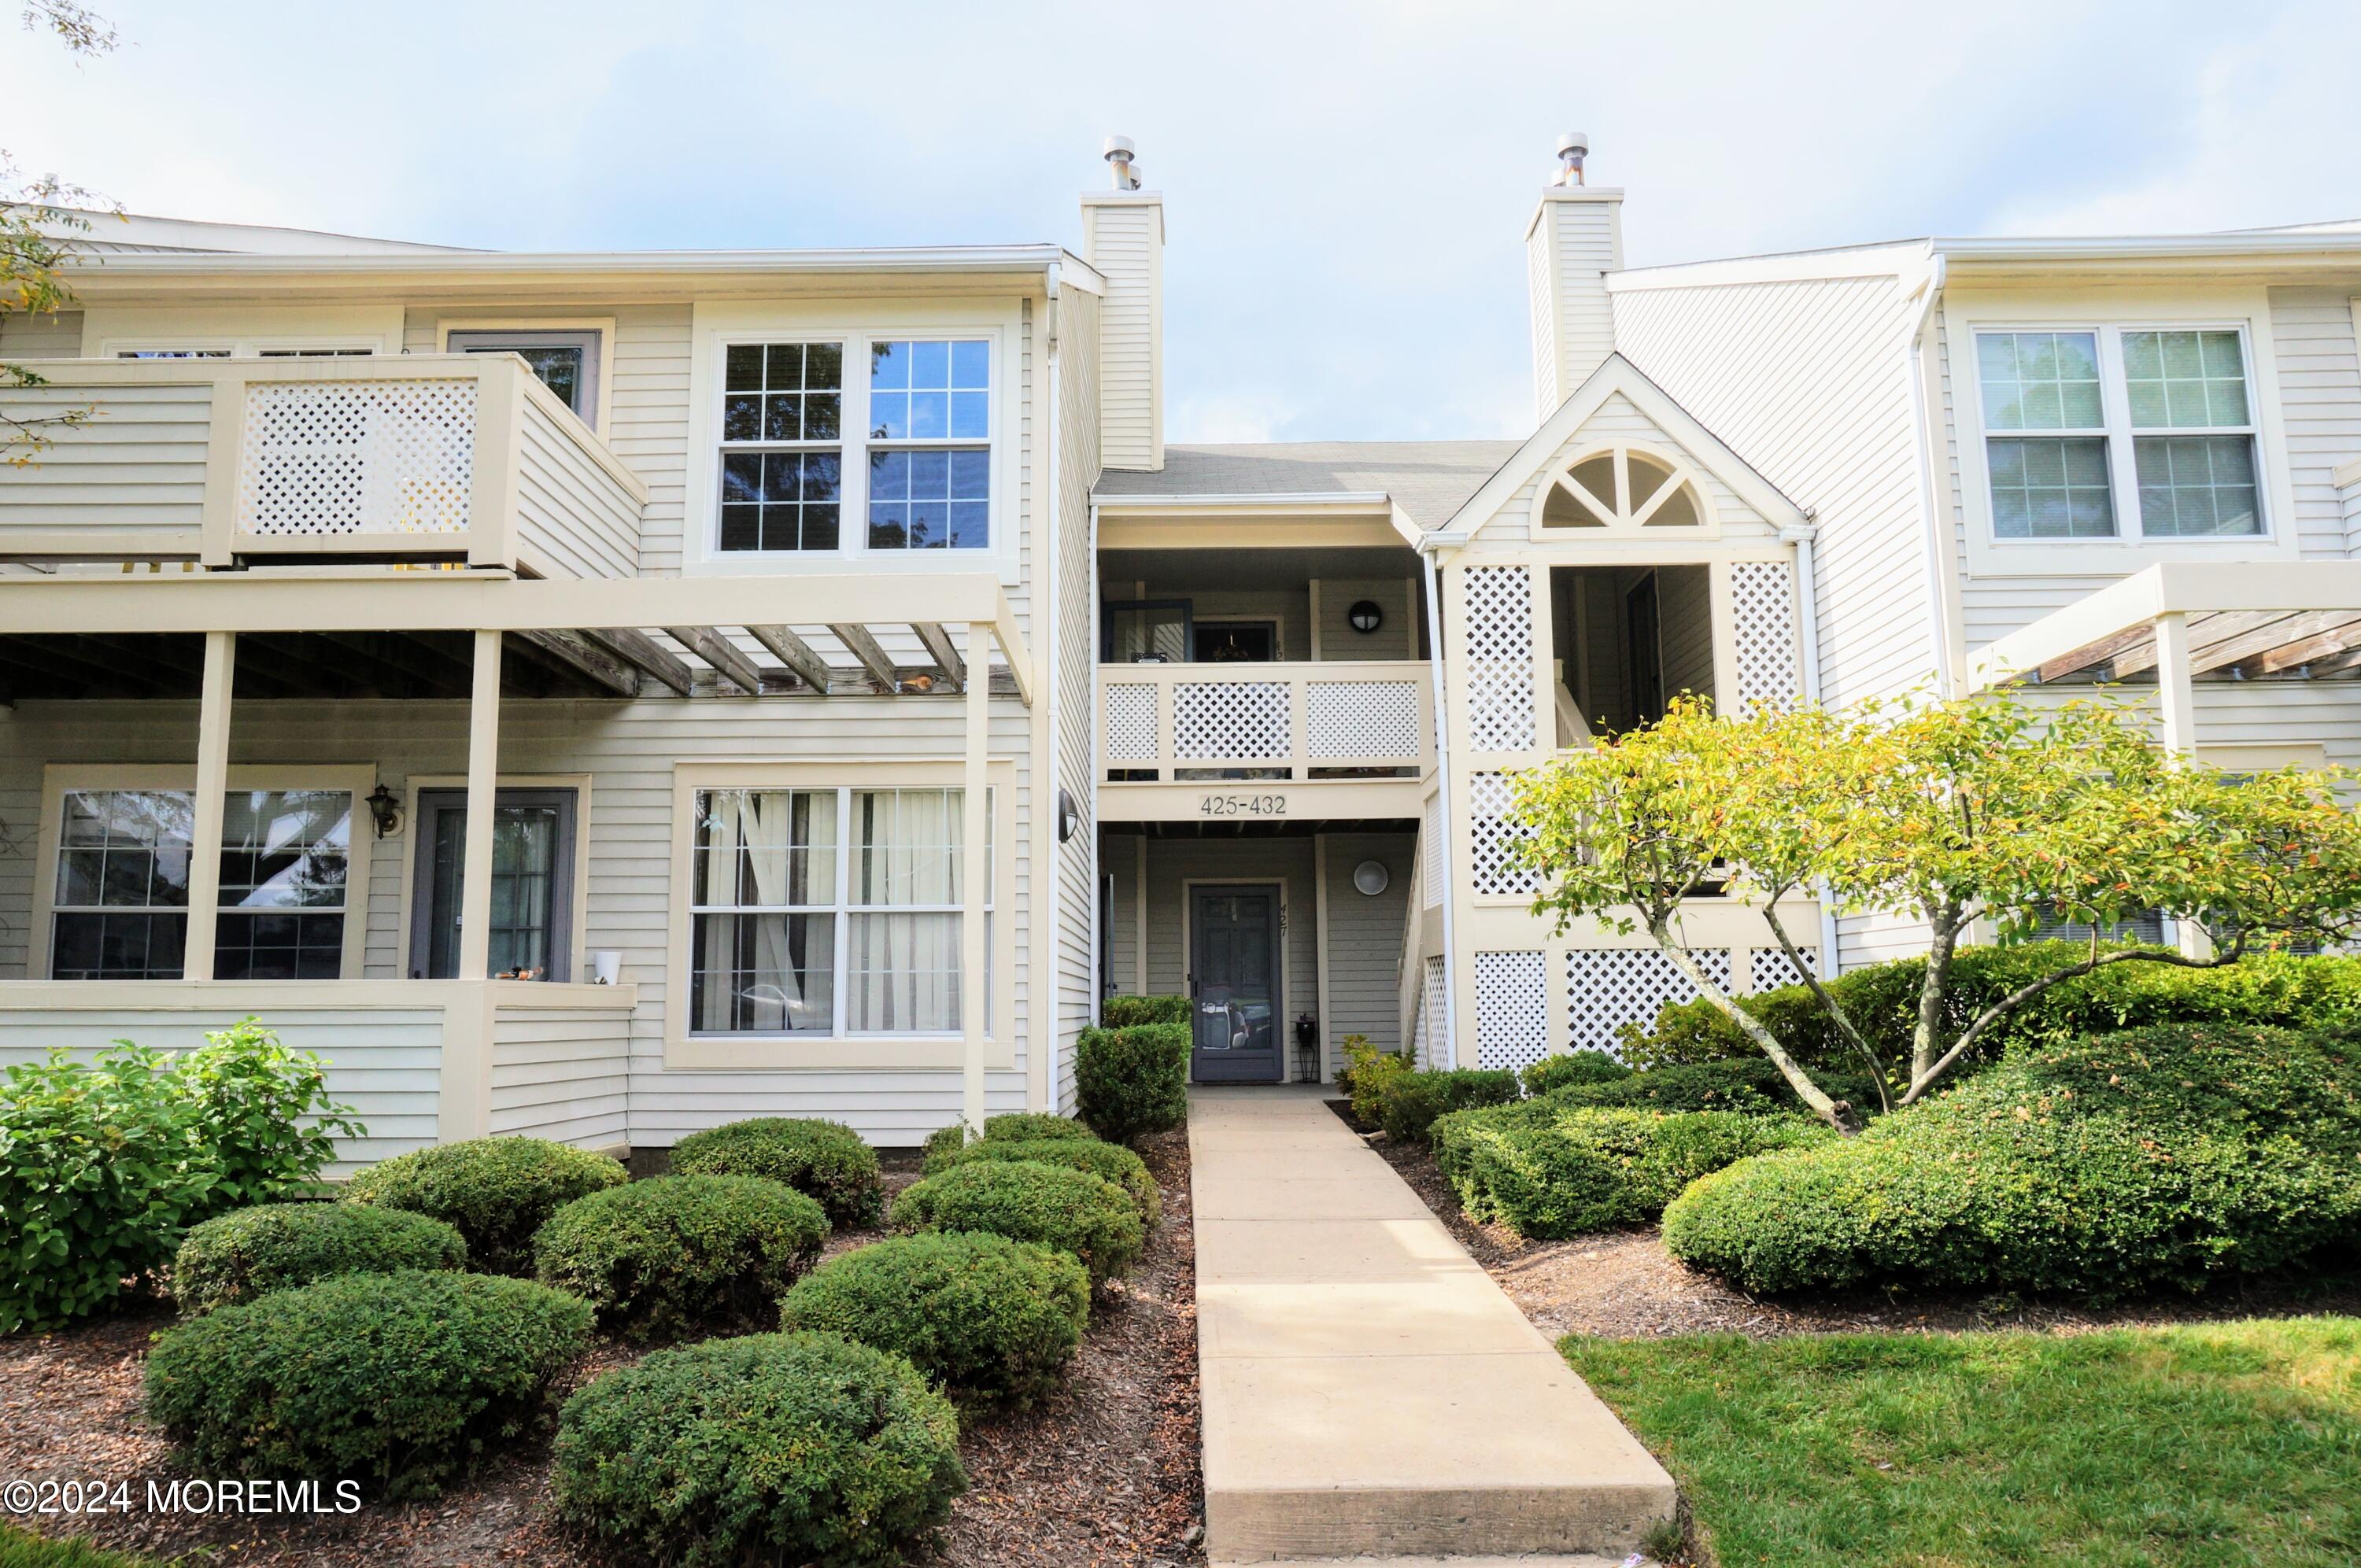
point(1319, 944)
point(245, 330)
point(59, 779)
point(1622, 523)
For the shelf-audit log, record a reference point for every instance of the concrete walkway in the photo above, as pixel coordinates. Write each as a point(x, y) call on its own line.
point(1369, 1391)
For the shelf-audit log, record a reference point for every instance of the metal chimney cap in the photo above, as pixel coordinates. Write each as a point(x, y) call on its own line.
point(1575, 142)
point(1117, 146)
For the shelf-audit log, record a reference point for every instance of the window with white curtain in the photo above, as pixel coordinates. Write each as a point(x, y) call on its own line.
point(2109, 432)
point(827, 910)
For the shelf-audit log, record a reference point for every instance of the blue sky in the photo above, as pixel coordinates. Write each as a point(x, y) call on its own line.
point(1346, 184)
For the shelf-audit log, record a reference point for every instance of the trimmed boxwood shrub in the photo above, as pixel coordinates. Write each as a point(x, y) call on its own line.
point(2278, 989)
point(801, 1448)
point(276, 1246)
point(662, 1254)
point(980, 1314)
point(1071, 1210)
point(1134, 1081)
point(1123, 1012)
point(1409, 1102)
point(1571, 1068)
point(2178, 1154)
point(1110, 1161)
point(826, 1160)
point(495, 1192)
point(1561, 1170)
point(1009, 1126)
point(397, 1380)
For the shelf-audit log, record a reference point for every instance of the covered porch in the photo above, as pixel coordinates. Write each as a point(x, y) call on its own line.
point(254, 695)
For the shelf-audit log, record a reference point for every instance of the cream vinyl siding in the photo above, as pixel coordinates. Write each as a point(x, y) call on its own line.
point(1396, 638)
point(1124, 241)
point(1365, 942)
point(1570, 249)
point(135, 468)
point(57, 336)
point(1172, 862)
point(1120, 865)
point(2320, 406)
point(1808, 380)
point(562, 1073)
point(572, 528)
point(1506, 532)
point(1072, 686)
point(630, 750)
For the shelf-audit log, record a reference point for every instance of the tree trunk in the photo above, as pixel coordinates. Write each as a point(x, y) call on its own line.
point(1925, 1039)
point(1836, 1113)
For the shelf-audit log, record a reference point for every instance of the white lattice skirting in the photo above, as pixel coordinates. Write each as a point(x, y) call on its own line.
point(1511, 1009)
point(1763, 612)
point(1131, 723)
point(1361, 718)
point(1609, 987)
point(1499, 660)
point(1427, 1026)
point(332, 457)
point(1493, 836)
point(1768, 968)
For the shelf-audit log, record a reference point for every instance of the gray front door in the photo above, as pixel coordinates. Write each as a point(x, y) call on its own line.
point(1234, 984)
point(532, 883)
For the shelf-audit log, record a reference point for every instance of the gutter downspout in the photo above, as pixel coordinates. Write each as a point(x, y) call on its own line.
point(1808, 614)
point(1052, 993)
point(1427, 550)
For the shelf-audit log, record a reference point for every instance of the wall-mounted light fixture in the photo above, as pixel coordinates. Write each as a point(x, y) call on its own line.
point(1070, 815)
point(1365, 617)
point(385, 810)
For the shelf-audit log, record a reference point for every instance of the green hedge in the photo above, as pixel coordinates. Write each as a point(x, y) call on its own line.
point(20, 1549)
point(496, 1191)
point(1008, 1127)
point(1133, 1080)
point(1407, 1102)
point(980, 1314)
point(1572, 1068)
point(1111, 1162)
point(1123, 1012)
point(2179, 1154)
point(662, 1256)
point(800, 1448)
point(1547, 1169)
point(397, 1380)
point(826, 1160)
point(276, 1246)
point(2276, 989)
point(1071, 1210)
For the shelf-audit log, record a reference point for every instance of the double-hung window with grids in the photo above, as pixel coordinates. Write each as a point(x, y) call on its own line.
point(2119, 432)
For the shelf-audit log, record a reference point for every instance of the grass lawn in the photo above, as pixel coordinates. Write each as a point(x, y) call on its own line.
point(2226, 1444)
point(21, 1549)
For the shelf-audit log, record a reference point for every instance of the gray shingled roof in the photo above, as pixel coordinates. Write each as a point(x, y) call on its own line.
point(1428, 479)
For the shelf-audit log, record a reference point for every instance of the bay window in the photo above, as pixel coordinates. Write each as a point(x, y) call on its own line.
point(827, 910)
point(2105, 433)
point(119, 904)
point(903, 454)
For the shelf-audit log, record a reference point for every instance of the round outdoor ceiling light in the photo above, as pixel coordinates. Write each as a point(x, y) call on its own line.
point(1365, 617)
point(1370, 877)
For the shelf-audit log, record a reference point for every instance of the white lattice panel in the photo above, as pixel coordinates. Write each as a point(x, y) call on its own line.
point(1433, 875)
point(1493, 836)
point(1770, 969)
point(1427, 1023)
point(1511, 1009)
point(1609, 987)
point(1762, 607)
point(331, 457)
point(1361, 718)
point(1131, 723)
point(1229, 721)
point(1499, 658)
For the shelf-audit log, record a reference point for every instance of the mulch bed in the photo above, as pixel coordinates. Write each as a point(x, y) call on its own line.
point(1624, 1285)
point(1103, 1473)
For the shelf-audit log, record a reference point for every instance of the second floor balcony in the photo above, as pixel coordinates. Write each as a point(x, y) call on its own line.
point(439, 458)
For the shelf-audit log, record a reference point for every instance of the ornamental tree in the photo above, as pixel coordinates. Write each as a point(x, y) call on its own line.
point(1948, 813)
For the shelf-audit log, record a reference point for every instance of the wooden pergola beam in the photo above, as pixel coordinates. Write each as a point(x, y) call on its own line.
point(717, 651)
point(644, 654)
point(863, 648)
point(938, 643)
point(2323, 647)
point(796, 654)
point(2204, 637)
point(2103, 652)
point(576, 656)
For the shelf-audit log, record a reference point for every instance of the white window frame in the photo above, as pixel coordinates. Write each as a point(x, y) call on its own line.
point(59, 780)
point(2110, 314)
point(716, 328)
point(841, 1048)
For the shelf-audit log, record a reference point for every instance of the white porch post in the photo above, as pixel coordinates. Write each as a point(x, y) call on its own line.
point(483, 785)
point(975, 875)
point(2177, 698)
point(213, 787)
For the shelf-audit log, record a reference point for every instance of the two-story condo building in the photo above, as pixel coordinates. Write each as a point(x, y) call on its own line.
point(608, 695)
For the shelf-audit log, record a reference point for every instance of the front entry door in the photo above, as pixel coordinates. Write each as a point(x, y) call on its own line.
point(532, 883)
point(1234, 984)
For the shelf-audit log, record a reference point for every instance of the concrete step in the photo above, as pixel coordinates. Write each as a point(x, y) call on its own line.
point(1370, 1392)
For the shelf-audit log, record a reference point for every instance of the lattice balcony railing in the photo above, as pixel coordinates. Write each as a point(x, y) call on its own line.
point(1301, 720)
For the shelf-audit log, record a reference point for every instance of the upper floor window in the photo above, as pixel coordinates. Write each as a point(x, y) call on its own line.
point(907, 449)
point(2119, 432)
point(1621, 488)
point(565, 360)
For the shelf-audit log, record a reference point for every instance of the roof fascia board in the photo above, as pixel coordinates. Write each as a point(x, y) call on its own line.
point(1357, 503)
point(96, 271)
point(1616, 374)
point(1907, 261)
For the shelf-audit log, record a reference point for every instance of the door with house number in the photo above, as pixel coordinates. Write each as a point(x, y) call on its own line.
point(1234, 984)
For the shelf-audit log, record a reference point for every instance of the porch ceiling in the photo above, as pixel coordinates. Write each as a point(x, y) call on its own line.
point(2244, 620)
